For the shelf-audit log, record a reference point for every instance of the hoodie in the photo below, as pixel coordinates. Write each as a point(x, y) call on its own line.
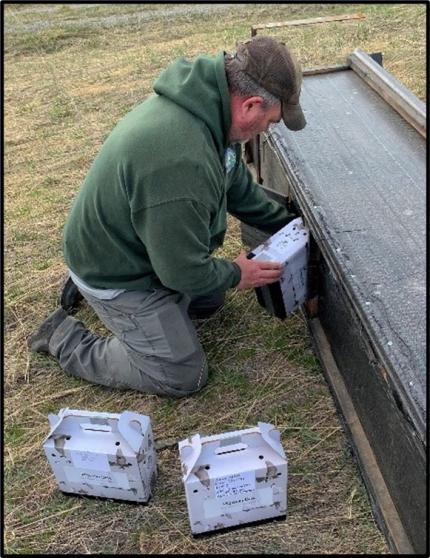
point(153, 206)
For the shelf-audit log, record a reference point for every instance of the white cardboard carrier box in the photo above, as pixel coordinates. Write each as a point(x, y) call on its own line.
point(290, 246)
point(102, 454)
point(234, 478)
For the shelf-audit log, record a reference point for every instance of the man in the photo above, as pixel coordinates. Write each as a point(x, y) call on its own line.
point(140, 236)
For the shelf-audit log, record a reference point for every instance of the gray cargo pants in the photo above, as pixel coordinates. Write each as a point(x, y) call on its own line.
point(154, 349)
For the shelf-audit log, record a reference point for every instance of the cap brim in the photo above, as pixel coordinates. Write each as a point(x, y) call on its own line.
point(293, 117)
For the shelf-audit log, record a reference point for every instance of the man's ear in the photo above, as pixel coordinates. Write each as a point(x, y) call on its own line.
point(252, 102)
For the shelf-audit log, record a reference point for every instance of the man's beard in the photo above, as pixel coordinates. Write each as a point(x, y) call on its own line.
point(250, 133)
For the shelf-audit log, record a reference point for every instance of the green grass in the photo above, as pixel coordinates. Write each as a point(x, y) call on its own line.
point(68, 80)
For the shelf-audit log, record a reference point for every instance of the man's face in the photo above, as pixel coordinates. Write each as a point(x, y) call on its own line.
point(249, 119)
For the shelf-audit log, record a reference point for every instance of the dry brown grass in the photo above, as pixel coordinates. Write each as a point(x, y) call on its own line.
point(66, 85)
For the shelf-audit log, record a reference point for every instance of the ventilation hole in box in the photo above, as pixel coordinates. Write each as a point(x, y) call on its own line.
point(68, 437)
point(207, 466)
point(261, 457)
point(53, 455)
point(195, 490)
point(117, 443)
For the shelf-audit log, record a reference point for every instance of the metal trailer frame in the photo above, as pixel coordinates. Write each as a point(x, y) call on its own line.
point(366, 386)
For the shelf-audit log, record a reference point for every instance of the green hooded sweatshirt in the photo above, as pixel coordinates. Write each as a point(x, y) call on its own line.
point(153, 206)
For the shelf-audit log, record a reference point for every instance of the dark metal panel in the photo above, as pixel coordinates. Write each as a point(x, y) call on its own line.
point(384, 510)
point(399, 451)
point(272, 170)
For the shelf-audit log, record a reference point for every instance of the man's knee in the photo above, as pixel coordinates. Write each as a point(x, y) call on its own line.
point(199, 376)
point(185, 378)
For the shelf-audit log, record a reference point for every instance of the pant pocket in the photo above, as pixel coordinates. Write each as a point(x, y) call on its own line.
point(164, 333)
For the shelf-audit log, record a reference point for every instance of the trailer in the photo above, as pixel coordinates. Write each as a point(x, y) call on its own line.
point(357, 176)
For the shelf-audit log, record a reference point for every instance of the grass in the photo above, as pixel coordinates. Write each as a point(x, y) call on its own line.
point(71, 72)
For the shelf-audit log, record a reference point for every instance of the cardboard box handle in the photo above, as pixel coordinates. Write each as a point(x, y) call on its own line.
point(232, 448)
point(88, 426)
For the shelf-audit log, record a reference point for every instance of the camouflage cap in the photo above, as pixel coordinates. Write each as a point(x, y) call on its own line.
point(271, 64)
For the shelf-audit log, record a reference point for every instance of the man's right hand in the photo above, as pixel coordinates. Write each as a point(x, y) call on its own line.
point(255, 273)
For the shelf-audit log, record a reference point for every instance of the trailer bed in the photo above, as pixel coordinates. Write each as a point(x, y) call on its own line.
point(357, 172)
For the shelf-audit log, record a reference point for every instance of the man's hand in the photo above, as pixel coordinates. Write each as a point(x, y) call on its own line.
point(257, 273)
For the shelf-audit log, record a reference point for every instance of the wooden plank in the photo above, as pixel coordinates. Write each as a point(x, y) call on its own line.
point(309, 21)
point(412, 109)
point(394, 528)
point(377, 56)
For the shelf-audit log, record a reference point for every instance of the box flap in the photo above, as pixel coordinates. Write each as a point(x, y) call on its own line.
point(54, 422)
point(272, 437)
point(284, 243)
point(132, 426)
point(189, 451)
